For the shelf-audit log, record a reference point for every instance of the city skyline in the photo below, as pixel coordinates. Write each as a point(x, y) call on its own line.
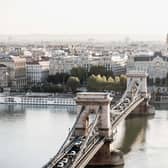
point(140, 19)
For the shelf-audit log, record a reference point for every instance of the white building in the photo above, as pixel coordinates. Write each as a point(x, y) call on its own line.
point(154, 63)
point(37, 72)
point(61, 62)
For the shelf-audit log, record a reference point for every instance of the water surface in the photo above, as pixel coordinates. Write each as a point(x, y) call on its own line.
point(31, 135)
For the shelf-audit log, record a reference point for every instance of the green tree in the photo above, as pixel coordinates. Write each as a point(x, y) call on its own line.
point(104, 78)
point(79, 72)
point(97, 70)
point(110, 80)
point(73, 83)
point(91, 84)
point(58, 78)
point(110, 84)
point(117, 83)
point(123, 82)
point(97, 83)
point(100, 83)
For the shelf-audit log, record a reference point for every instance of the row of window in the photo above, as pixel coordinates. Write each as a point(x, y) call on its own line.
point(40, 101)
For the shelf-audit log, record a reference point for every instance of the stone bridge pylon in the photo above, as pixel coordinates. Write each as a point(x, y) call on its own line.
point(138, 80)
point(92, 103)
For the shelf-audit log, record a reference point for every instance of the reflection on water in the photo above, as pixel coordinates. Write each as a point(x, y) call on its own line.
point(150, 148)
point(11, 111)
point(135, 131)
point(30, 135)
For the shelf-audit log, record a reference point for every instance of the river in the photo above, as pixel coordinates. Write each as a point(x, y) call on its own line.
point(31, 135)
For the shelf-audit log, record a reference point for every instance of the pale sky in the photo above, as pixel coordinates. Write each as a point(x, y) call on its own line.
point(84, 16)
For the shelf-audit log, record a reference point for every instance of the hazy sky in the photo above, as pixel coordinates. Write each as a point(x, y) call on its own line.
point(84, 16)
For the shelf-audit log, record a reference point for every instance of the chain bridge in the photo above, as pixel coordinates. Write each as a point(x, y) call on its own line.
point(89, 142)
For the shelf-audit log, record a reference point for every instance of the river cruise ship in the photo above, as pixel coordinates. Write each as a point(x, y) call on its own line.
point(38, 99)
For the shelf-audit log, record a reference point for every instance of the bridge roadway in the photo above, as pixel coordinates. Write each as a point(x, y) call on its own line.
point(89, 152)
point(60, 156)
point(94, 144)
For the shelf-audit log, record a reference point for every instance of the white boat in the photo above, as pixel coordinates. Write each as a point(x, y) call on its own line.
point(37, 100)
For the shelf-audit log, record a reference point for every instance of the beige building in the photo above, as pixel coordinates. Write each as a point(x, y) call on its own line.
point(3, 76)
point(60, 62)
point(16, 67)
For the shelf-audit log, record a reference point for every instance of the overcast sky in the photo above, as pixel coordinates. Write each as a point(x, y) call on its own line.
point(84, 17)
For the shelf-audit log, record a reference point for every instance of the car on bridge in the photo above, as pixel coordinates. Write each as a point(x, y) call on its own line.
point(72, 153)
point(65, 160)
point(127, 100)
point(78, 143)
point(76, 146)
point(60, 165)
point(122, 105)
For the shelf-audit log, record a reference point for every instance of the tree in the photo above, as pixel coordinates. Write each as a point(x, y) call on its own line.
point(109, 73)
point(79, 72)
point(110, 80)
point(73, 83)
point(58, 78)
point(110, 84)
point(91, 83)
point(97, 70)
point(123, 82)
point(100, 83)
point(95, 83)
point(117, 83)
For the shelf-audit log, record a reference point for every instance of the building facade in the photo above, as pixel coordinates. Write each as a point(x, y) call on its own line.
point(16, 69)
point(154, 63)
point(61, 62)
point(3, 76)
point(37, 72)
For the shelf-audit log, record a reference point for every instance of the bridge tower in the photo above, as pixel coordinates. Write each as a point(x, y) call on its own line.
point(90, 103)
point(139, 78)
